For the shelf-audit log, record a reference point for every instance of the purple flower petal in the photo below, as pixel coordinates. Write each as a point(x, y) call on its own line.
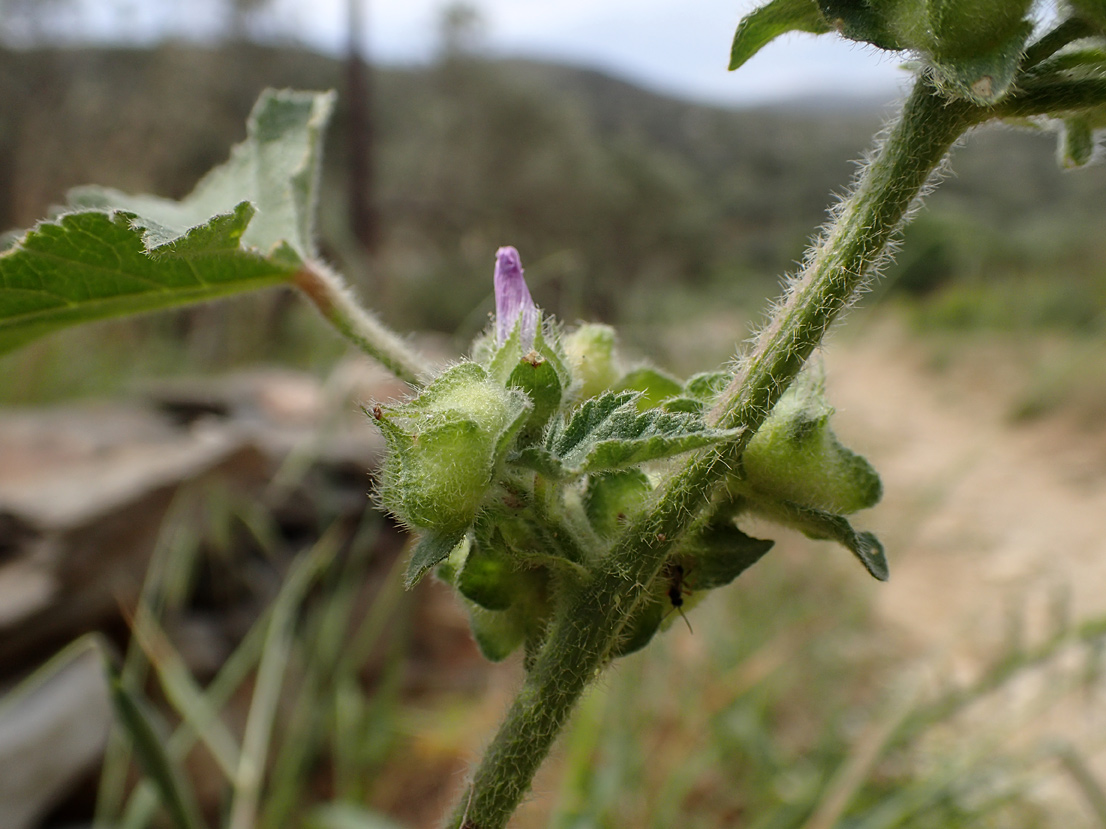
point(513, 304)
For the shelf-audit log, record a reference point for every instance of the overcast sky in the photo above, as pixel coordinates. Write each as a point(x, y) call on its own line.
point(677, 46)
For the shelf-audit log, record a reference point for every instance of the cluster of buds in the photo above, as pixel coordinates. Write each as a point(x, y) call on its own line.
point(519, 467)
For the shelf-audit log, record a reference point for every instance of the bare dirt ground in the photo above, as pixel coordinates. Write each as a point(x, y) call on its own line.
point(990, 524)
point(980, 513)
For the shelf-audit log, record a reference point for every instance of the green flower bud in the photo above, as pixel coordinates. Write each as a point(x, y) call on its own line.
point(611, 499)
point(795, 456)
point(593, 356)
point(974, 47)
point(952, 28)
point(444, 447)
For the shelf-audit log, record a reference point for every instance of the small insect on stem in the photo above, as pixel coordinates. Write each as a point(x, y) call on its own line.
point(675, 574)
point(377, 412)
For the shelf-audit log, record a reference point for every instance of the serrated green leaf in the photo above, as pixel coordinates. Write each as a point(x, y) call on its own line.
point(430, 550)
point(765, 24)
point(608, 432)
point(276, 169)
point(657, 440)
point(172, 786)
point(247, 225)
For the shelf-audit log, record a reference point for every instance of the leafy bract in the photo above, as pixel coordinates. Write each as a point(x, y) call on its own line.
point(248, 224)
point(608, 432)
point(771, 20)
point(431, 549)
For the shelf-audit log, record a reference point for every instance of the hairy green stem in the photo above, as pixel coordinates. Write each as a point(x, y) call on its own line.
point(1069, 30)
point(588, 624)
point(329, 294)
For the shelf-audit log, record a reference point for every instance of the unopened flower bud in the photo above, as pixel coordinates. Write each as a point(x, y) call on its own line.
point(513, 304)
point(796, 457)
point(444, 446)
point(592, 353)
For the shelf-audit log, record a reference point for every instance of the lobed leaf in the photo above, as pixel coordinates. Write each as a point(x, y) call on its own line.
point(247, 225)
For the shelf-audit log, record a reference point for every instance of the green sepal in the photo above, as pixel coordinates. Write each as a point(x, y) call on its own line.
point(537, 378)
point(652, 385)
point(707, 385)
point(763, 25)
point(982, 78)
point(502, 360)
point(488, 576)
point(498, 633)
point(820, 525)
point(431, 549)
point(795, 456)
point(611, 499)
point(1076, 145)
point(444, 447)
point(717, 554)
point(592, 357)
point(858, 20)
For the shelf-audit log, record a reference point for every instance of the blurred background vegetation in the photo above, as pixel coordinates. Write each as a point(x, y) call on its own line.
point(628, 206)
point(670, 219)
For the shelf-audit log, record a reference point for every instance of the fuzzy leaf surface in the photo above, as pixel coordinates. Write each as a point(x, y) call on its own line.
point(608, 432)
point(247, 225)
point(431, 549)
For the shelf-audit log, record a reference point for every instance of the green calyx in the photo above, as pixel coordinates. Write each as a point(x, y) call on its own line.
point(592, 351)
point(444, 445)
point(796, 457)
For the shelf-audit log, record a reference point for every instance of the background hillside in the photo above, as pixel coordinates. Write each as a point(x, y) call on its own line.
point(614, 195)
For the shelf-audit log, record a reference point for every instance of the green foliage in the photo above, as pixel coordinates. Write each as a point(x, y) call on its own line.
point(444, 446)
point(795, 456)
point(766, 23)
point(974, 49)
point(608, 432)
point(137, 719)
point(247, 225)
